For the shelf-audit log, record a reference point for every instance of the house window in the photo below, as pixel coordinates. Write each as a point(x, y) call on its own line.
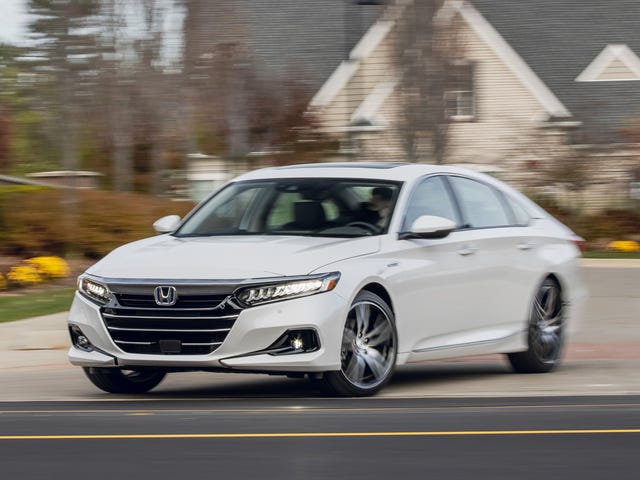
point(458, 95)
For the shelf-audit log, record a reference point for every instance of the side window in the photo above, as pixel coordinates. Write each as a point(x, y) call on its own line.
point(480, 203)
point(521, 216)
point(430, 197)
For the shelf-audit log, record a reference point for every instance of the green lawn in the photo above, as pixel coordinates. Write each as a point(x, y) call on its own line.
point(598, 254)
point(33, 304)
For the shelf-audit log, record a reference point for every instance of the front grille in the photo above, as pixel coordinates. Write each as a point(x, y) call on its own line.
point(184, 301)
point(196, 325)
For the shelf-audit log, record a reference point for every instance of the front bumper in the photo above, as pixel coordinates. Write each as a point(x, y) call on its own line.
point(254, 330)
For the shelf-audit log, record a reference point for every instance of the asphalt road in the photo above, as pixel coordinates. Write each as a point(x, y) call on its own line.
point(564, 437)
point(437, 419)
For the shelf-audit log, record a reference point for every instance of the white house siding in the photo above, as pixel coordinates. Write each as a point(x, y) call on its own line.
point(610, 175)
point(506, 112)
point(372, 70)
point(507, 115)
point(388, 144)
point(508, 131)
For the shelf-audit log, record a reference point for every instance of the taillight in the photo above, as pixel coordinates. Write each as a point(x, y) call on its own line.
point(579, 242)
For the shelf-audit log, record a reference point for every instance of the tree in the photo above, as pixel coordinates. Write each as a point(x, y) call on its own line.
point(26, 144)
point(220, 75)
point(62, 61)
point(7, 85)
point(140, 93)
point(425, 50)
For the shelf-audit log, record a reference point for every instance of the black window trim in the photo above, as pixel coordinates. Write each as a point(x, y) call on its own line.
point(508, 199)
point(454, 201)
point(501, 198)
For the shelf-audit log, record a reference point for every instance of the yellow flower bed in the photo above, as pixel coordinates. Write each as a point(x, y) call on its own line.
point(51, 267)
point(624, 246)
point(35, 271)
point(24, 275)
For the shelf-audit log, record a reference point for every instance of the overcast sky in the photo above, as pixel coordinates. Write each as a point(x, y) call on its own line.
point(12, 20)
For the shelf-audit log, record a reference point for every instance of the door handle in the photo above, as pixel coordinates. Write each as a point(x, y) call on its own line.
point(467, 250)
point(525, 245)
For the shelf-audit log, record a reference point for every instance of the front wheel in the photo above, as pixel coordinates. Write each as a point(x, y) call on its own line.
point(369, 349)
point(545, 334)
point(112, 380)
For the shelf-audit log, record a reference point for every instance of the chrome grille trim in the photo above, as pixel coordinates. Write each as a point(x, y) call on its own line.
point(197, 324)
point(157, 317)
point(123, 329)
point(194, 309)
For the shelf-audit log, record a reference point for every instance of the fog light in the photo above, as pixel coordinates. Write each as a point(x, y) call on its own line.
point(297, 343)
point(79, 339)
point(294, 341)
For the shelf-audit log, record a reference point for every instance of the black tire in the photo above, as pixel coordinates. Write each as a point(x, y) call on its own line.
point(113, 380)
point(546, 332)
point(369, 349)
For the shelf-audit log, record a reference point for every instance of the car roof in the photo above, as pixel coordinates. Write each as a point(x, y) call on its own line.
point(393, 171)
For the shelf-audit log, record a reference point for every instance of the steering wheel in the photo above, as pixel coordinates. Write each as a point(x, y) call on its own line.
point(365, 226)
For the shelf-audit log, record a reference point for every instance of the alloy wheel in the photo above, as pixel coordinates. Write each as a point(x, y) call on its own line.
point(368, 345)
point(546, 323)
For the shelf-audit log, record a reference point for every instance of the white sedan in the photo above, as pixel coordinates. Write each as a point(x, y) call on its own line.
point(335, 271)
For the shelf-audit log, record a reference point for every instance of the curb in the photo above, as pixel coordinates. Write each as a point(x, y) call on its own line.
point(610, 262)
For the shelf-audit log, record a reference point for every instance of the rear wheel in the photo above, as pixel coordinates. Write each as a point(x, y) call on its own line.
point(546, 332)
point(369, 349)
point(113, 380)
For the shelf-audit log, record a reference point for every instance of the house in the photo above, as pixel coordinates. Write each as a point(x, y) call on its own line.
point(538, 82)
point(307, 38)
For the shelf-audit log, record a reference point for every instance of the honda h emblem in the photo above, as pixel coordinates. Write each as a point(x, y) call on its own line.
point(165, 296)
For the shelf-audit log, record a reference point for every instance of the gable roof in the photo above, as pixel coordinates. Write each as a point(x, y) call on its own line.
point(552, 105)
point(306, 38)
point(615, 63)
point(558, 39)
point(341, 76)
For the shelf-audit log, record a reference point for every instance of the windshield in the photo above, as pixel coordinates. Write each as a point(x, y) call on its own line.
point(328, 207)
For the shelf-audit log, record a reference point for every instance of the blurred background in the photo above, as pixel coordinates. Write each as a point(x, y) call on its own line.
point(114, 113)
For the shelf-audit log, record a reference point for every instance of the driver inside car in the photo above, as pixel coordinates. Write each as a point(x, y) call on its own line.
point(376, 210)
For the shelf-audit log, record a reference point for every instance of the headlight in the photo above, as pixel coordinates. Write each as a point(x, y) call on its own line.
point(285, 290)
point(94, 290)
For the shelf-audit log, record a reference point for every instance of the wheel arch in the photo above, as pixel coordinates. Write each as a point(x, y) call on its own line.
point(381, 291)
point(556, 278)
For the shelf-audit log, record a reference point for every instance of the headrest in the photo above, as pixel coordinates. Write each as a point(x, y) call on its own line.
point(309, 215)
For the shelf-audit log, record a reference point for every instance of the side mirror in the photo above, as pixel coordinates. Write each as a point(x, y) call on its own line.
point(167, 224)
point(430, 227)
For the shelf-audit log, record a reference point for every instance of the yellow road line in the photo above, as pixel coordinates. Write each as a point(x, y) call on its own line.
point(316, 434)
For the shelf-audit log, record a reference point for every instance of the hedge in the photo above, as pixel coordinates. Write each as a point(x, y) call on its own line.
point(85, 222)
point(36, 221)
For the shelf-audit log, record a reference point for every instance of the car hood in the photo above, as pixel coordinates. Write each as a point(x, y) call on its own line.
point(228, 257)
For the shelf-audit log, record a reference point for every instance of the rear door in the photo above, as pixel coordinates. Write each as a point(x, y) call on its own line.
point(438, 282)
point(502, 249)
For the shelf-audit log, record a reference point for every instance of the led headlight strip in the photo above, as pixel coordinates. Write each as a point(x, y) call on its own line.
point(285, 290)
point(94, 290)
